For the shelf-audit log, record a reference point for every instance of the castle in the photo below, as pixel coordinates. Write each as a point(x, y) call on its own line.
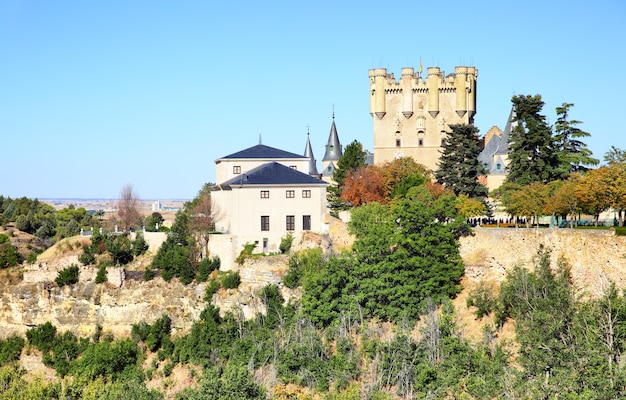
point(412, 116)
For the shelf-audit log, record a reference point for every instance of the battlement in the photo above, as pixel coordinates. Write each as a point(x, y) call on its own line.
point(412, 114)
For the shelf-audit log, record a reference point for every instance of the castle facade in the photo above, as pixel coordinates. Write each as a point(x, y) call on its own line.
point(412, 116)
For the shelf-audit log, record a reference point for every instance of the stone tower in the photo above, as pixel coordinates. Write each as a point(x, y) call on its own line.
point(332, 154)
point(412, 116)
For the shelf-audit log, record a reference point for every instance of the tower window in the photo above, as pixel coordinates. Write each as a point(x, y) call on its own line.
point(397, 142)
point(331, 148)
point(443, 142)
point(420, 142)
point(498, 166)
point(236, 169)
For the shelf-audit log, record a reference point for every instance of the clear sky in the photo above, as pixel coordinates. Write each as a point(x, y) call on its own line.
point(95, 95)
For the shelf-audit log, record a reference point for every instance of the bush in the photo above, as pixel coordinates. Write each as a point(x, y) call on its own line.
point(140, 245)
point(285, 243)
point(245, 253)
point(68, 276)
point(88, 257)
point(206, 266)
point(481, 298)
point(42, 336)
point(101, 277)
point(620, 230)
point(231, 280)
point(211, 289)
point(10, 349)
point(148, 275)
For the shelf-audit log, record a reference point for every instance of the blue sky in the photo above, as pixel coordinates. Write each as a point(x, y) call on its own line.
point(95, 95)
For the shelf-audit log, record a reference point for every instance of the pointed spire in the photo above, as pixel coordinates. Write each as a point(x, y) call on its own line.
point(260, 140)
point(308, 152)
point(333, 147)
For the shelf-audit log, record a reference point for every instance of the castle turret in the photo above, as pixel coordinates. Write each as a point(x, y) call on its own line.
point(432, 81)
point(333, 152)
point(408, 75)
point(308, 152)
point(460, 86)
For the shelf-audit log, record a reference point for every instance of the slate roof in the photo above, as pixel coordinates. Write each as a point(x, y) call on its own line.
point(262, 151)
point(308, 152)
point(273, 173)
point(496, 148)
point(333, 147)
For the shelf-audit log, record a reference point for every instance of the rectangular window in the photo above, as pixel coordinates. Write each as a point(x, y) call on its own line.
point(290, 194)
point(236, 169)
point(420, 142)
point(265, 222)
point(265, 194)
point(397, 142)
point(443, 142)
point(293, 167)
point(498, 166)
point(306, 194)
point(306, 222)
point(291, 222)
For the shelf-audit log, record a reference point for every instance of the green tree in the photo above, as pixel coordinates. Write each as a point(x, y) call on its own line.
point(406, 254)
point(353, 157)
point(68, 276)
point(615, 156)
point(153, 221)
point(177, 257)
point(9, 255)
point(459, 167)
point(534, 153)
point(575, 155)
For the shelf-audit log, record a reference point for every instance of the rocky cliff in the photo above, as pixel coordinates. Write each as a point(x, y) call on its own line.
point(595, 258)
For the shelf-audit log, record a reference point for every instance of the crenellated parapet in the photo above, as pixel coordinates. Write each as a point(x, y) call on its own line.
point(412, 114)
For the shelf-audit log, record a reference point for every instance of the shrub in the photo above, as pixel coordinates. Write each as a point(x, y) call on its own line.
point(211, 289)
point(245, 253)
point(620, 230)
point(42, 336)
point(206, 266)
point(481, 298)
point(148, 275)
point(285, 243)
point(10, 349)
point(68, 276)
point(140, 245)
point(231, 280)
point(101, 277)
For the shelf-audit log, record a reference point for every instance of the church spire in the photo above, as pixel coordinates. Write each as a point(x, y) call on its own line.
point(333, 147)
point(308, 152)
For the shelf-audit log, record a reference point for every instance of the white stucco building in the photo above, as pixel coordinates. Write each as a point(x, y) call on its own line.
point(262, 195)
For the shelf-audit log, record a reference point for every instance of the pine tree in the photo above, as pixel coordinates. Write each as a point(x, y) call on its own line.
point(353, 157)
point(534, 154)
point(574, 153)
point(459, 167)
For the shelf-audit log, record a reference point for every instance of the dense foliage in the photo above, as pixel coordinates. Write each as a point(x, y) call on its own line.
point(353, 157)
point(459, 167)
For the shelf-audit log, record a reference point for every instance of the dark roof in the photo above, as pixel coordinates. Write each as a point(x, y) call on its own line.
point(497, 147)
point(333, 147)
point(262, 151)
point(308, 153)
point(273, 173)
